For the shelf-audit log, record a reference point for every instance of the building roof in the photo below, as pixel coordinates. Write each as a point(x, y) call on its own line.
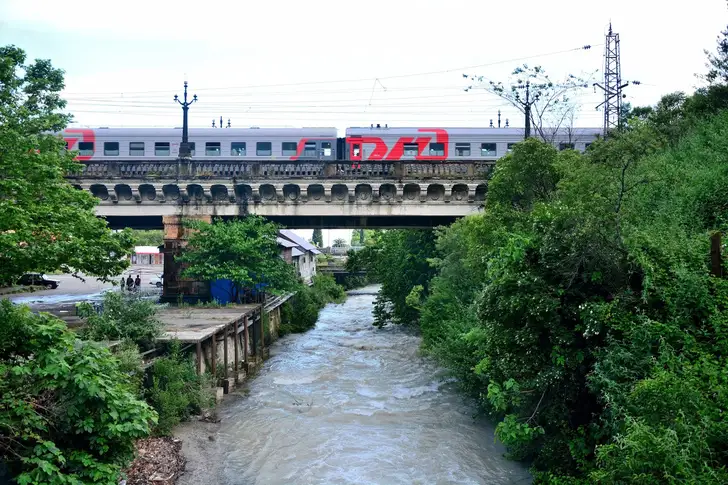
point(295, 252)
point(146, 249)
point(285, 243)
point(301, 242)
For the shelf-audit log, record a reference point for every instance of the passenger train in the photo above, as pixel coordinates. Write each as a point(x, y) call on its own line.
point(375, 143)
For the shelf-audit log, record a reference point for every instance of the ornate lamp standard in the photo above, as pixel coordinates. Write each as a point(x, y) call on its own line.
point(184, 148)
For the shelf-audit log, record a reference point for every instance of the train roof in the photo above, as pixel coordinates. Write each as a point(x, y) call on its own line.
point(395, 131)
point(213, 132)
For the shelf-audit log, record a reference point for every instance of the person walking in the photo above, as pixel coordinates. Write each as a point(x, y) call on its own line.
point(129, 283)
point(138, 283)
point(122, 284)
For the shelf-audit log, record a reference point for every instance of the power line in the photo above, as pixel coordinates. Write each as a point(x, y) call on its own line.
point(398, 76)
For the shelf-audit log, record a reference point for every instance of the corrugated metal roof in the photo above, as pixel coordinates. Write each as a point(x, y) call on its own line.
point(296, 252)
point(146, 249)
point(292, 236)
point(285, 242)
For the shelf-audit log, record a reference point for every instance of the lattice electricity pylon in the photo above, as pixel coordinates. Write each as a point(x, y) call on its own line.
point(612, 84)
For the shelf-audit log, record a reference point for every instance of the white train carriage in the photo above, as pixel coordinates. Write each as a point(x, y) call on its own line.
point(385, 143)
point(224, 143)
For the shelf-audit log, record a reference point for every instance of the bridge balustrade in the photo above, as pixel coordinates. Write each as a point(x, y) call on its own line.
point(282, 170)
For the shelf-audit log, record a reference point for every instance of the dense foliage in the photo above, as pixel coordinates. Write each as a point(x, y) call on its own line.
point(46, 224)
point(301, 312)
point(124, 316)
point(67, 414)
point(580, 308)
point(243, 251)
point(176, 390)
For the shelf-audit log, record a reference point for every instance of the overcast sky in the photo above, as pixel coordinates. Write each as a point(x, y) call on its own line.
point(339, 64)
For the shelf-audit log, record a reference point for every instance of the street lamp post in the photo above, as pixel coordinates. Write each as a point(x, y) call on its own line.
point(184, 148)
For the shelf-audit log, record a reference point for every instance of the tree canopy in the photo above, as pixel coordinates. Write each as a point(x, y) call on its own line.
point(45, 223)
point(243, 251)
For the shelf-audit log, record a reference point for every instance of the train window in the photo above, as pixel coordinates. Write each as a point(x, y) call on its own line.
point(237, 148)
point(566, 146)
point(462, 149)
point(288, 148)
point(487, 150)
point(309, 149)
point(212, 149)
point(510, 146)
point(264, 149)
point(326, 148)
point(161, 148)
point(437, 149)
point(192, 147)
point(136, 148)
point(86, 148)
point(111, 148)
point(411, 149)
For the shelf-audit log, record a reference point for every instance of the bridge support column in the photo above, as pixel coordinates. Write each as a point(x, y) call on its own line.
point(175, 286)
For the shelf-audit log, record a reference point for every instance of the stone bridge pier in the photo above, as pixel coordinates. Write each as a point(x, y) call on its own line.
point(176, 288)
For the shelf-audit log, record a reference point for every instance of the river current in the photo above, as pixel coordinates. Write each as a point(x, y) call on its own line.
point(347, 403)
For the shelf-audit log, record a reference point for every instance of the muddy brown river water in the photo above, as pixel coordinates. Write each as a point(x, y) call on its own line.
point(346, 403)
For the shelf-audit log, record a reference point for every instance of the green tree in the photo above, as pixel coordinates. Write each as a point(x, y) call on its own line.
point(243, 251)
point(318, 237)
point(339, 242)
point(148, 238)
point(67, 413)
point(45, 223)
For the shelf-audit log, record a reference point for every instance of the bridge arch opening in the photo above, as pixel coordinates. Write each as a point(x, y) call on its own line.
point(412, 191)
point(100, 191)
point(147, 192)
point(195, 191)
point(387, 192)
point(123, 192)
point(460, 192)
point(363, 192)
point(219, 193)
point(268, 192)
point(315, 192)
point(291, 192)
point(170, 191)
point(435, 192)
point(480, 192)
point(340, 192)
point(243, 192)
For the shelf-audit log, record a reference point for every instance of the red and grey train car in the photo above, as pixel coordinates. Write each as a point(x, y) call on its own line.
point(300, 144)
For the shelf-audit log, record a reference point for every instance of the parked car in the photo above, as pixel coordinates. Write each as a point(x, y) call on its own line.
point(37, 279)
point(157, 280)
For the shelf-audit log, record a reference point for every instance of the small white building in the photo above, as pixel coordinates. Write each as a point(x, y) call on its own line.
point(303, 255)
point(147, 255)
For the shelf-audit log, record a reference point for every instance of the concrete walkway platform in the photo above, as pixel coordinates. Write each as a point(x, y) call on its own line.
point(196, 324)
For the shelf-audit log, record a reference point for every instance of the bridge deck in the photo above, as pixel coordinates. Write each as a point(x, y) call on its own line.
point(196, 324)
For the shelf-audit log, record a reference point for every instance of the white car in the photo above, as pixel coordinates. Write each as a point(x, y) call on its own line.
point(157, 280)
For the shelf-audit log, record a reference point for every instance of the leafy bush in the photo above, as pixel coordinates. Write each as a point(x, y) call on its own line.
point(124, 317)
point(176, 390)
point(67, 414)
point(301, 312)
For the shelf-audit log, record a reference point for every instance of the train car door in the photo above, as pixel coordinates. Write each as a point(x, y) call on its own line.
point(356, 151)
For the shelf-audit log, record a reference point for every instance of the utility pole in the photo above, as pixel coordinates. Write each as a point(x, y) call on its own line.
point(184, 148)
point(612, 84)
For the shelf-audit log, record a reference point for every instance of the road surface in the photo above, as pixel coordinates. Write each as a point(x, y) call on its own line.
point(72, 290)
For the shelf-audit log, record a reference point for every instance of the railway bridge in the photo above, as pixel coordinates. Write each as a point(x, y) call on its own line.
point(139, 194)
point(146, 194)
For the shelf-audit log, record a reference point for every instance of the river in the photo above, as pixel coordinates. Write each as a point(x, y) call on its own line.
point(346, 403)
